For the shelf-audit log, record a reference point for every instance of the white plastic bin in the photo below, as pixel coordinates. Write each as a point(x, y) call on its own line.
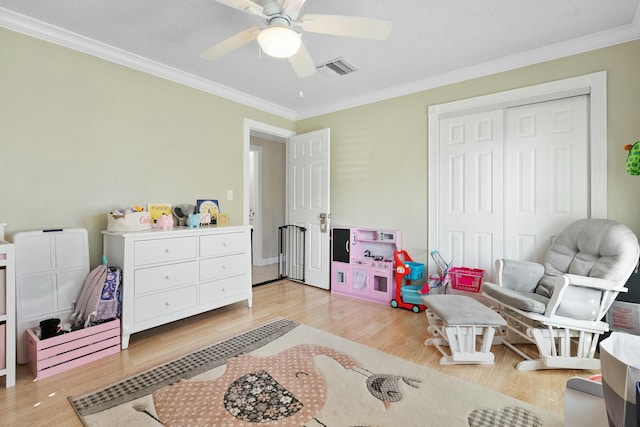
point(620, 361)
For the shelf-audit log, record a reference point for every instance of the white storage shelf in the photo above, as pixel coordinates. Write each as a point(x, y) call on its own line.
point(8, 313)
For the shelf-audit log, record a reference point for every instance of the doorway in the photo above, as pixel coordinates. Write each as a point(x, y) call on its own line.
point(306, 192)
point(258, 161)
point(267, 166)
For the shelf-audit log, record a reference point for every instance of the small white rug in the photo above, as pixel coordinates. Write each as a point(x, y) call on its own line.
point(284, 373)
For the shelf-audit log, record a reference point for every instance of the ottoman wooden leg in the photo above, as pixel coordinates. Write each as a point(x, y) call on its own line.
point(462, 341)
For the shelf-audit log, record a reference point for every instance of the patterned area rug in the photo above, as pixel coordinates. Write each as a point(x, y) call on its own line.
point(285, 373)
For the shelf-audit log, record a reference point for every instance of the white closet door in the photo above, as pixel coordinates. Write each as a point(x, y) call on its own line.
point(546, 174)
point(510, 180)
point(470, 200)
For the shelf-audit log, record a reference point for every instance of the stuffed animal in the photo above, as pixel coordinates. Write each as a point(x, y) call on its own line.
point(165, 222)
point(633, 158)
point(193, 220)
point(181, 218)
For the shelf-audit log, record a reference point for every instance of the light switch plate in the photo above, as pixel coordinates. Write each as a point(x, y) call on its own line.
point(229, 195)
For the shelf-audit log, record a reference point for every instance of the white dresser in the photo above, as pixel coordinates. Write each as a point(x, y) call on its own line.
point(172, 274)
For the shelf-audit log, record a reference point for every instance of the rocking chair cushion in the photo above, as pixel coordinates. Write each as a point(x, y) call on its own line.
point(529, 301)
point(593, 248)
point(580, 303)
point(522, 276)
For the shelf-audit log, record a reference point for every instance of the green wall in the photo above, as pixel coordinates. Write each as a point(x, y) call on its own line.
point(81, 136)
point(379, 165)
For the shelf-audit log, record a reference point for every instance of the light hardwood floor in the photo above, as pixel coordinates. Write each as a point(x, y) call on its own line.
point(264, 273)
point(395, 331)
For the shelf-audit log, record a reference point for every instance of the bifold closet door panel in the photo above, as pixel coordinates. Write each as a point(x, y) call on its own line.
point(471, 187)
point(546, 162)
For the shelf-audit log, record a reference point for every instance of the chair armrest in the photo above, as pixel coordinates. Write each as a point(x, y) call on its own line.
point(592, 282)
point(563, 282)
point(522, 276)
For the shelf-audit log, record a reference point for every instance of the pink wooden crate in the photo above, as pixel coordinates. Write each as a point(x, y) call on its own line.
point(63, 352)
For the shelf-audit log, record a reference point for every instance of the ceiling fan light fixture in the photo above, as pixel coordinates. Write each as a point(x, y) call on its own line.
point(279, 42)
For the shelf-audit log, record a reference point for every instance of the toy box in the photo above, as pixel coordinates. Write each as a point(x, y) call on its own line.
point(134, 221)
point(60, 353)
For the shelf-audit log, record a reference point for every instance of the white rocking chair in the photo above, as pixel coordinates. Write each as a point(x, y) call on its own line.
point(560, 306)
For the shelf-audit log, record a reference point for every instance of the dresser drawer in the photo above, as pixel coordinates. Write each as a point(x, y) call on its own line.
point(164, 250)
point(165, 276)
point(221, 289)
point(158, 305)
point(224, 266)
point(222, 244)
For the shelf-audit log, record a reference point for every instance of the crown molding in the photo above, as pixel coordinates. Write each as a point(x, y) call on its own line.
point(50, 33)
point(595, 41)
point(41, 30)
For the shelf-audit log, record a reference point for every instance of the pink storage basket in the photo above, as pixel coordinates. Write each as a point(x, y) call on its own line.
point(466, 279)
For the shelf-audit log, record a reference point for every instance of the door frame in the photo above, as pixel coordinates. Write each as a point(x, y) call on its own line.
point(254, 127)
point(594, 85)
point(257, 192)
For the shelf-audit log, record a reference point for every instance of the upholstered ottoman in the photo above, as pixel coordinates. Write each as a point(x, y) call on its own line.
point(459, 322)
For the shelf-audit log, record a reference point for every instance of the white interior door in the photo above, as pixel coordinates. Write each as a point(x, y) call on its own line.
point(546, 165)
point(308, 200)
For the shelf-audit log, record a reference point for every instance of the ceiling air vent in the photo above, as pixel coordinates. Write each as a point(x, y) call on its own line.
point(336, 68)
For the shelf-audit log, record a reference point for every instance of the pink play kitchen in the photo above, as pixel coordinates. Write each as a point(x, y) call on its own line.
point(362, 263)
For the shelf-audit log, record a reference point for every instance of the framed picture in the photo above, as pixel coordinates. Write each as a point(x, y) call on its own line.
point(208, 210)
point(223, 219)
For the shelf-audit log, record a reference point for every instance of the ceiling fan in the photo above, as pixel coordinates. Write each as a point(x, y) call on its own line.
point(279, 39)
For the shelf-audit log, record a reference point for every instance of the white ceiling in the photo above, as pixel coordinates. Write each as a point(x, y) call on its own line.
point(432, 42)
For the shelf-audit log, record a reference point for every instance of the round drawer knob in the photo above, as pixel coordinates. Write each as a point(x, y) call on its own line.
point(167, 303)
point(167, 277)
point(166, 250)
point(224, 267)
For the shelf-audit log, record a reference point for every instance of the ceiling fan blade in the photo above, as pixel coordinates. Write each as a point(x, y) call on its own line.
point(302, 63)
point(351, 26)
point(244, 5)
point(231, 44)
point(291, 8)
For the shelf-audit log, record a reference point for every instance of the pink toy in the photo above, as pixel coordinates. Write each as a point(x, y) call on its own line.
point(165, 222)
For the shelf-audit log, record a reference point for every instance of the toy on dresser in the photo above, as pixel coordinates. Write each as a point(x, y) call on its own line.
point(193, 220)
point(165, 222)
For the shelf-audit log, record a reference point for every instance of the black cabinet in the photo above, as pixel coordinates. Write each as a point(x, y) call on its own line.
point(340, 242)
